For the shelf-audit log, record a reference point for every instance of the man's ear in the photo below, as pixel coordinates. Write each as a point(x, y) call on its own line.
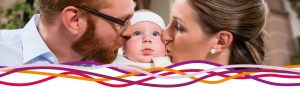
point(70, 18)
point(223, 40)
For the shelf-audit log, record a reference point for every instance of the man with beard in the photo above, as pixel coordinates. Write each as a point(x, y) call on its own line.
point(68, 31)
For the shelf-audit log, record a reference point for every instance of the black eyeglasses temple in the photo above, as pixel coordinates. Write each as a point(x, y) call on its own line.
point(118, 21)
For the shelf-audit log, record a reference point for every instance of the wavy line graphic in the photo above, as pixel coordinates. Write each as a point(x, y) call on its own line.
point(79, 73)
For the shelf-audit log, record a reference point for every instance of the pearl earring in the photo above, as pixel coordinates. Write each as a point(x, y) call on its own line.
point(213, 51)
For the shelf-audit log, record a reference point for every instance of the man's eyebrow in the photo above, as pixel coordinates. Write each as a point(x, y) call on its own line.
point(126, 17)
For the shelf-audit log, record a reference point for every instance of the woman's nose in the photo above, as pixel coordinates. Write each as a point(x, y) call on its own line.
point(166, 36)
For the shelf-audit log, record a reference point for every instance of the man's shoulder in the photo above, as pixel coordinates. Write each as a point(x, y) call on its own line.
point(10, 45)
point(10, 48)
point(10, 36)
point(10, 55)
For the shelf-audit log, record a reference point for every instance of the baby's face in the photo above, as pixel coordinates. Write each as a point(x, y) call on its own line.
point(145, 43)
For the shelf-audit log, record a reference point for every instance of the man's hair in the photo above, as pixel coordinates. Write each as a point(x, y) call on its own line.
point(49, 9)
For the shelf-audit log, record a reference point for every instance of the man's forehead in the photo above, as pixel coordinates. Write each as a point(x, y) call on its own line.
point(120, 8)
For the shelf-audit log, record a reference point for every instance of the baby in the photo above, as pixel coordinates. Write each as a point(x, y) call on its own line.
point(145, 49)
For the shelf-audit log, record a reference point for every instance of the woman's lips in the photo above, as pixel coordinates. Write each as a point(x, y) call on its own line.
point(147, 51)
point(168, 51)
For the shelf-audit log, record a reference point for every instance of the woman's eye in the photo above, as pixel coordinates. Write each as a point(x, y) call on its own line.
point(136, 33)
point(178, 27)
point(155, 33)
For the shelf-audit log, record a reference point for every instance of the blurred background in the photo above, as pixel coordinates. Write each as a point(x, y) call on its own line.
point(283, 24)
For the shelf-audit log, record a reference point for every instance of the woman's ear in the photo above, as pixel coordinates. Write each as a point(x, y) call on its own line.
point(224, 40)
point(70, 19)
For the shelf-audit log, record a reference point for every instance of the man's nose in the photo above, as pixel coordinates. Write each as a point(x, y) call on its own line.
point(127, 33)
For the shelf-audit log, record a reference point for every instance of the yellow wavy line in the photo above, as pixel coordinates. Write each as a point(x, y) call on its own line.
point(204, 81)
point(127, 75)
point(292, 66)
point(136, 73)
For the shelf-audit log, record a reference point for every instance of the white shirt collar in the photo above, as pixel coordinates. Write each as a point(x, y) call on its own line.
point(33, 44)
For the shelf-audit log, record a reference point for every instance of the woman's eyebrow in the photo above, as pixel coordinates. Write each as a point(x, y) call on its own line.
point(178, 19)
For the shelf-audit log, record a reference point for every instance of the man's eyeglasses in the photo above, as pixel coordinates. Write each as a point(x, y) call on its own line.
point(122, 23)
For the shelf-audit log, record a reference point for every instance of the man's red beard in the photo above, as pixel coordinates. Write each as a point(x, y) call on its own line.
point(93, 48)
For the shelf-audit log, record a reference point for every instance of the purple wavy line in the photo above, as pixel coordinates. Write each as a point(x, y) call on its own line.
point(256, 78)
point(255, 70)
point(273, 83)
point(94, 74)
point(160, 85)
point(127, 72)
point(65, 69)
point(184, 63)
point(235, 71)
point(97, 64)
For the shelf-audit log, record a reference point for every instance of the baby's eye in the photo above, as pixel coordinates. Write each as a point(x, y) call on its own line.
point(136, 33)
point(155, 33)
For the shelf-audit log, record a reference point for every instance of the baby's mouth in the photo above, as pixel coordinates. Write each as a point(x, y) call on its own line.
point(147, 51)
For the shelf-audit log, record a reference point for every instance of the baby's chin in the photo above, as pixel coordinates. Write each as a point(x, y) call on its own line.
point(146, 59)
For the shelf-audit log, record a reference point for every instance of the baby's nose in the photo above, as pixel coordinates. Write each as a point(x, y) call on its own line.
point(147, 39)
